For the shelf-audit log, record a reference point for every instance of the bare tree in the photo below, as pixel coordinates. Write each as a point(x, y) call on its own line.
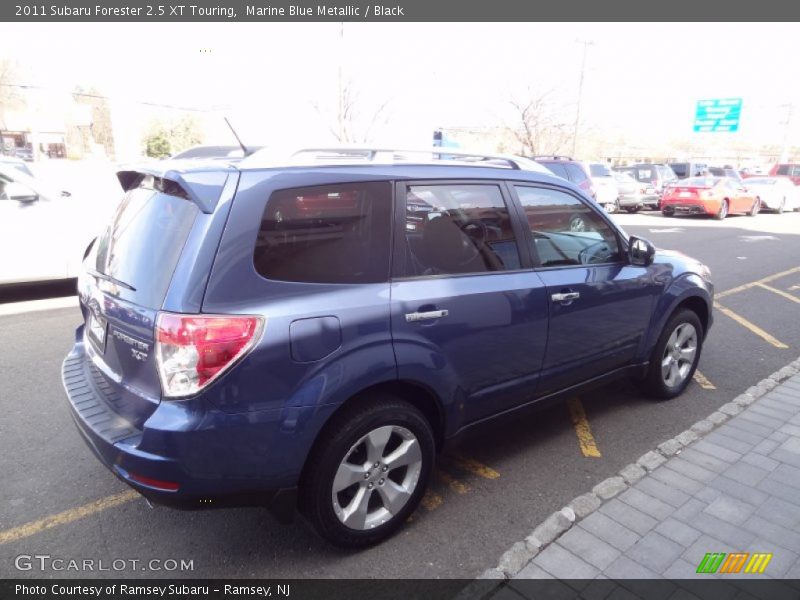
point(353, 120)
point(535, 128)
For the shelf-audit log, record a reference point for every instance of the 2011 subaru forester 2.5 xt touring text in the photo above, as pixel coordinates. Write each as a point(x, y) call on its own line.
point(311, 334)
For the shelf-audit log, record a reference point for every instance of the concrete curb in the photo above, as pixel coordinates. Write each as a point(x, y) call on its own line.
point(521, 553)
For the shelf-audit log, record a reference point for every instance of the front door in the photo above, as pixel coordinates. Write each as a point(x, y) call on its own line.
point(599, 304)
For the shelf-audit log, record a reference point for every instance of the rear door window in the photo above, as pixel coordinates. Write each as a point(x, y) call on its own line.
point(456, 229)
point(142, 245)
point(557, 169)
point(566, 232)
point(327, 234)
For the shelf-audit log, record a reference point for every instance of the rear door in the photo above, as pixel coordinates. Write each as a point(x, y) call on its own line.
point(122, 286)
point(599, 304)
point(467, 318)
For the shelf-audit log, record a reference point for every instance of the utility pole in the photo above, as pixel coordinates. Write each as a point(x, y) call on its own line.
point(788, 127)
point(340, 113)
point(586, 44)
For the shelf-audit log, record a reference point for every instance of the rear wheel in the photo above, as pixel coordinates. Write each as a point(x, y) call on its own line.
point(675, 356)
point(632, 209)
point(368, 473)
point(782, 207)
point(723, 210)
point(755, 208)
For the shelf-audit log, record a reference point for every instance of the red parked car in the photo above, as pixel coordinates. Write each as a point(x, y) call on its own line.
point(714, 196)
point(790, 170)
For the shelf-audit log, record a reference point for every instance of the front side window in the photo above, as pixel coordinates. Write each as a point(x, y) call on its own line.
point(565, 230)
point(326, 234)
point(455, 229)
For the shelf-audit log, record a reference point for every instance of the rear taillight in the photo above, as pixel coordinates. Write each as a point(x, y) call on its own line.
point(194, 350)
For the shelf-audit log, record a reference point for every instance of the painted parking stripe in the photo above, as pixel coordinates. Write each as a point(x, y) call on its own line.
point(786, 295)
point(68, 516)
point(459, 487)
point(747, 286)
point(750, 326)
point(582, 429)
point(470, 465)
point(431, 501)
point(703, 381)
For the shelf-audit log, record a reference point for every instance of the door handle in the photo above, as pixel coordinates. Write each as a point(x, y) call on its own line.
point(565, 297)
point(424, 316)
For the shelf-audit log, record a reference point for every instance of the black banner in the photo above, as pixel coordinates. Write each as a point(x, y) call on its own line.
point(403, 589)
point(397, 10)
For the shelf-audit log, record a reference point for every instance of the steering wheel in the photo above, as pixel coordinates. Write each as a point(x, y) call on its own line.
point(589, 254)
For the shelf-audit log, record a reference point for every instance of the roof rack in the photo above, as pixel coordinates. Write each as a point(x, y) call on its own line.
point(553, 157)
point(337, 155)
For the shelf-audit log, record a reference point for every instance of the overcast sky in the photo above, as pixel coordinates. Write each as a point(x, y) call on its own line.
point(641, 79)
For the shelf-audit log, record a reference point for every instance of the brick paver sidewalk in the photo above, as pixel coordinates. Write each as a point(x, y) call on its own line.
point(736, 490)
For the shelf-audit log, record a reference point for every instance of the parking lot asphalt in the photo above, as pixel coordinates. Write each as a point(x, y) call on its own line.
point(57, 500)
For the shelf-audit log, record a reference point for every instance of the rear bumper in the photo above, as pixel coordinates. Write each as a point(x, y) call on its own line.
point(183, 457)
point(687, 209)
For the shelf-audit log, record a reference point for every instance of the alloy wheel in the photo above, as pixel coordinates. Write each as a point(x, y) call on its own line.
point(377, 477)
point(679, 355)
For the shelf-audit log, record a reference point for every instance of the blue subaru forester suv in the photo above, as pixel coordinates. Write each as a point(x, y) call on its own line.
point(312, 334)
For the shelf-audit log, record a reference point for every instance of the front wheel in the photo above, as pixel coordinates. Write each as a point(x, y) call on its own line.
point(368, 472)
point(675, 356)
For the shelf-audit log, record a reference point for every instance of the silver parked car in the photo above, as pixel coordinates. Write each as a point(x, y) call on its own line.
point(775, 193)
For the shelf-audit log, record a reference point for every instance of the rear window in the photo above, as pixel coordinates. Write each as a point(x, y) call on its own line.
point(680, 169)
point(328, 234)
point(576, 174)
point(599, 171)
point(143, 243)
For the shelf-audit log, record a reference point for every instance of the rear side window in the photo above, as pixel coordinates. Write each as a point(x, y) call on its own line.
point(565, 231)
point(453, 229)
point(143, 243)
point(327, 234)
point(576, 174)
point(783, 170)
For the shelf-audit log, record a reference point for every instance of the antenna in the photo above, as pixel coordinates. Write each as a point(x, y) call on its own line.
point(233, 131)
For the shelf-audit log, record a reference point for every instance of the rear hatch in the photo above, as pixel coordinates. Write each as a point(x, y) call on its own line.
point(125, 277)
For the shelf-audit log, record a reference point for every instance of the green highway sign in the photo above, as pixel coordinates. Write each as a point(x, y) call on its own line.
point(717, 114)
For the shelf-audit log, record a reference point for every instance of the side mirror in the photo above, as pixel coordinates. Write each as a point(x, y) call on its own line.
point(640, 252)
point(20, 192)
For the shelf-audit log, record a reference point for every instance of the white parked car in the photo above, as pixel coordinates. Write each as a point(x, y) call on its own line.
point(42, 235)
point(776, 193)
point(605, 185)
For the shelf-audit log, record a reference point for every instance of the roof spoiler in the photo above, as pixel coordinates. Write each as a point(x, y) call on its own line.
point(202, 187)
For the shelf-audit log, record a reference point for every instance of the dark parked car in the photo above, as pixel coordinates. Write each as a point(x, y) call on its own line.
point(656, 176)
point(570, 169)
point(313, 335)
point(688, 169)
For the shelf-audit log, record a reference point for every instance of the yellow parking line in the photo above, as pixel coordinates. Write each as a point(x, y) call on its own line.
point(582, 429)
point(68, 516)
point(786, 295)
point(703, 381)
point(473, 466)
point(431, 501)
point(454, 484)
point(748, 325)
point(747, 286)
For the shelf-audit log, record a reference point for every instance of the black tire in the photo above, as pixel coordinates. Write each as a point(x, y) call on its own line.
point(653, 383)
point(667, 212)
point(723, 211)
point(316, 497)
point(632, 209)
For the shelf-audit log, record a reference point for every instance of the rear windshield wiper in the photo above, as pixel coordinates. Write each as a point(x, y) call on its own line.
point(99, 275)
